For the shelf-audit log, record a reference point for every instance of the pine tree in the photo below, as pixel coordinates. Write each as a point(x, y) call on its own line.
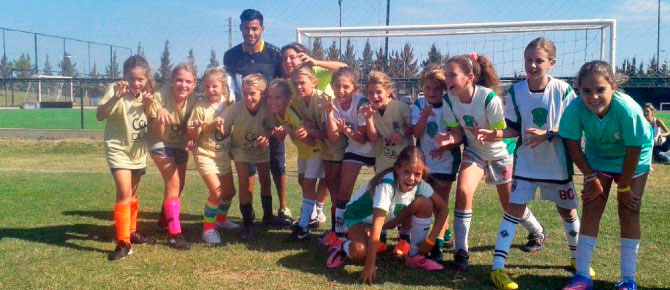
point(380, 60)
point(652, 69)
point(333, 52)
point(434, 57)
point(112, 70)
point(212, 60)
point(164, 73)
point(94, 71)
point(191, 58)
point(67, 67)
point(410, 69)
point(367, 63)
point(663, 72)
point(633, 68)
point(5, 67)
point(640, 71)
point(395, 66)
point(349, 56)
point(47, 67)
point(317, 49)
point(23, 66)
point(140, 50)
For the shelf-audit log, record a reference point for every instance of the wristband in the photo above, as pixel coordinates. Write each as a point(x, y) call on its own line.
point(590, 177)
point(429, 242)
point(550, 135)
point(623, 189)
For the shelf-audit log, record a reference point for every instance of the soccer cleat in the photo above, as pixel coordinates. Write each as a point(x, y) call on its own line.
point(298, 234)
point(573, 266)
point(321, 217)
point(448, 239)
point(275, 221)
point(314, 223)
point(121, 251)
point(381, 248)
point(227, 225)
point(502, 281)
point(535, 243)
point(626, 285)
point(436, 254)
point(335, 243)
point(138, 239)
point(328, 238)
point(421, 262)
point(248, 233)
point(401, 248)
point(178, 242)
point(335, 257)
point(461, 258)
point(284, 212)
point(211, 237)
point(579, 282)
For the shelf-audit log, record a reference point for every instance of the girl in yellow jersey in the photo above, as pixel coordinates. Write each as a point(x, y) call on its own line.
point(170, 113)
point(124, 107)
point(212, 155)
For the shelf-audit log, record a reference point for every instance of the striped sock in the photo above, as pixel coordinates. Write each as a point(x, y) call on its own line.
point(462, 219)
point(122, 222)
point(222, 213)
point(506, 232)
point(134, 205)
point(340, 228)
point(571, 228)
point(172, 208)
point(209, 216)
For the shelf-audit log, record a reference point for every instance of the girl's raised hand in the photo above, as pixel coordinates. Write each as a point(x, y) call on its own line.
point(120, 89)
point(483, 135)
point(535, 137)
point(396, 137)
point(301, 133)
point(367, 111)
point(444, 139)
point(304, 58)
point(427, 111)
point(147, 99)
point(218, 124)
point(164, 117)
point(263, 140)
point(197, 124)
point(438, 153)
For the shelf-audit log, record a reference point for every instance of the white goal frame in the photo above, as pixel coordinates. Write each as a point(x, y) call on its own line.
point(471, 28)
point(661, 105)
point(62, 78)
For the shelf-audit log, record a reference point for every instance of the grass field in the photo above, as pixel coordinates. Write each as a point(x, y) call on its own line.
point(56, 229)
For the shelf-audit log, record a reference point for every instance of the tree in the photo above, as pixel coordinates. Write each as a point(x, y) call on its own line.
point(5, 67)
point(367, 63)
point(140, 50)
point(333, 52)
point(165, 71)
point(664, 72)
point(640, 71)
point(349, 56)
point(633, 68)
point(317, 49)
point(68, 68)
point(191, 58)
point(23, 66)
point(94, 71)
point(380, 60)
point(47, 67)
point(434, 57)
point(212, 60)
point(652, 69)
point(112, 70)
point(407, 62)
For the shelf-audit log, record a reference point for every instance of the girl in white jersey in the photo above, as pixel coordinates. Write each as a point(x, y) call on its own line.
point(661, 140)
point(396, 195)
point(533, 110)
point(472, 84)
point(344, 121)
point(124, 106)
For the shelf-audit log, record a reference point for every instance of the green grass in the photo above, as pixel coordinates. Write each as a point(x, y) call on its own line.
point(57, 229)
point(69, 119)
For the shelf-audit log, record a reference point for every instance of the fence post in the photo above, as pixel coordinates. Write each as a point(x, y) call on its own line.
point(11, 82)
point(81, 104)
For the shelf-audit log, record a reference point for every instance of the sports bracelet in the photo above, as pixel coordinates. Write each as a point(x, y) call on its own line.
point(623, 189)
point(429, 242)
point(590, 177)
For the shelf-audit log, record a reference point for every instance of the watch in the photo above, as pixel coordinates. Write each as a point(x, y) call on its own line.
point(550, 135)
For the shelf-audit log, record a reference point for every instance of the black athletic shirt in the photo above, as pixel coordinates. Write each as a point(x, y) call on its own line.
point(266, 62)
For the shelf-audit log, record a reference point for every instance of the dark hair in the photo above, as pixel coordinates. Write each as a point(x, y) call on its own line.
point(346, 72)
point(137, 61)
point(437, 73)
point(251, 14)
point(295, 46)
point(602, 69)
point(481, 67)
point(411, 153)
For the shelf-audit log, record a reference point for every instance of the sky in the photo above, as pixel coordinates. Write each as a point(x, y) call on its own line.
point(203, 26)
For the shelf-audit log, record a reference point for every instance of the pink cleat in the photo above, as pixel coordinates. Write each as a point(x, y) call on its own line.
point(421, 262)
point(335, 257)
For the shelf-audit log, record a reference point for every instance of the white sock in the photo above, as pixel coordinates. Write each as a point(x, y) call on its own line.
point(345, 247)
point(318, 208)
point(629, 249)
point(506, 232)
point(571, 228)
point(585, 248)
point(530, 223)
point(306, 210)
point(340, 228)
point(462, 220)
point(419, 232)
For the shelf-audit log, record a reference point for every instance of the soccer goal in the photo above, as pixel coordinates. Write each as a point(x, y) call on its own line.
point(664, 106)
point(577, 41)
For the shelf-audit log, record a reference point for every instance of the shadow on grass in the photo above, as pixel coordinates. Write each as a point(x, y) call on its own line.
point(62, 235)
point(109, 215)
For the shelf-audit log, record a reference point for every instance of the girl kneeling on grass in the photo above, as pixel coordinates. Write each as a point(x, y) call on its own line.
point(169, 139)
point(212, 157)
point(396, 195)
point(124, 106)
point(618, 148)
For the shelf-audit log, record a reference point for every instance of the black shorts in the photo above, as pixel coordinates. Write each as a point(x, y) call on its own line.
point(277, 158)
point(443, 177)
point(138, 171)
point(355, 158)
point(180, 155)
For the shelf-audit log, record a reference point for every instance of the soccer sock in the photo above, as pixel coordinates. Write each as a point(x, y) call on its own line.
point(306, 213)
point(571, 228)
point(266, 202)
point(122, 222)
point(382, 237)
point(530, 223)
point(585, 248)
point(340, 228)
point(404, 233)
point(247, 215)
point(345, 247)
point(222, 213)
point(172, 207)
point(209, 216)
point(134, 205)
point(506, 232)
point(462, 220)
point(629, 249)
point(162, 219)
point(333, 221)
point(420, 227)
point(318, 209)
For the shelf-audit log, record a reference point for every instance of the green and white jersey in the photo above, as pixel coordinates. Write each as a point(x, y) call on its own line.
point(386, 196)
point(356, 121)
point(485, 110)
point(450, 161)
point(549, 161)
point(396, 118)
point(175, 135)
point(607, 137)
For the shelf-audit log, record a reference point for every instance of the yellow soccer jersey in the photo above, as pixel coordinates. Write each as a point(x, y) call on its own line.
point(292, 121)
point(316, 113)
point(125, 132)
point(214, 142)
point(175, 134)
point(245, 129)
point(396, 118)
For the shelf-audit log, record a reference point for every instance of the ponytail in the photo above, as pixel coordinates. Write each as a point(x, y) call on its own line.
point(481, 67)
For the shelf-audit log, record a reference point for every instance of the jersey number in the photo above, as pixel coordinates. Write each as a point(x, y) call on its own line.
point(569, 194)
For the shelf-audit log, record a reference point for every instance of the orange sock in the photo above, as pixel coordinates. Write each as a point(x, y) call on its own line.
point(133, 215)
point(122, 221)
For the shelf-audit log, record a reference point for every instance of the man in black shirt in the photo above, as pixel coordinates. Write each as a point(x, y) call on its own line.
point(254, 55)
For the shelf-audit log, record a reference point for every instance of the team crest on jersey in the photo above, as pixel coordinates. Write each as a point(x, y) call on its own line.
point(540, 116)
point(431, 129)
point(396, 126)
point(469, 121)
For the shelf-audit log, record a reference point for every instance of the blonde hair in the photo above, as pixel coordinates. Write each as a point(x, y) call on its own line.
point(256, 81)
point(602, 69)
point(283, 85)
point(481, 67)
point(306, 70)
point(187, 66)
point(219, 74)
point(435, 73)
point(376, 77)
point(543, 43)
